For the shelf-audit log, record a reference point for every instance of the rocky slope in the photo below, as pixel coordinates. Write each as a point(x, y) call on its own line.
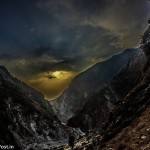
point(131, 115)
point(134, 137)
point(101, 103)
point(80, 89)
point(26, 118)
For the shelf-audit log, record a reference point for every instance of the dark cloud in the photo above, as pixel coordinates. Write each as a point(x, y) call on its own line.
point(117, 18)
point(5, 56)
point(56, 53)
point(50, 77)
point(70, 27)
point(41, 51)
point(31, 66)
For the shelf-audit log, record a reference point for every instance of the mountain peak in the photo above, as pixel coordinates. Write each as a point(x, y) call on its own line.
point(3, 69)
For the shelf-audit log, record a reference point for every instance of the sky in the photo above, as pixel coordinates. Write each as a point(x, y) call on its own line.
point(46, 43)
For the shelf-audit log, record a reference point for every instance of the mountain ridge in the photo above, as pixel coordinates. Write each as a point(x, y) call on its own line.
point(98, 107)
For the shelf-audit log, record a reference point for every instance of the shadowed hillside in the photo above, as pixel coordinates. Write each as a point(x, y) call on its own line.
point(26, 118)
point(101, 103)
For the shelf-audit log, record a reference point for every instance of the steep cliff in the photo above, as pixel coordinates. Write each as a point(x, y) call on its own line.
point(101, 103)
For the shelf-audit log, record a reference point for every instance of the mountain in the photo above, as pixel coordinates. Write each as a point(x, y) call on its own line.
point(101, 103)
point(81, 87)
point(27, 120)
point(128, 123)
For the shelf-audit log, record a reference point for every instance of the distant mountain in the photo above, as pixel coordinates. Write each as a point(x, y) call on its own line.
point(26, 119)
point(80, 89)
point(101, 103)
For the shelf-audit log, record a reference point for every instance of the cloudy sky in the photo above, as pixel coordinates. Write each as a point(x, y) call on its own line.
point(47, 42)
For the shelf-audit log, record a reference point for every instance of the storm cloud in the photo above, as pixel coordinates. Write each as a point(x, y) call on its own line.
point(120, 19)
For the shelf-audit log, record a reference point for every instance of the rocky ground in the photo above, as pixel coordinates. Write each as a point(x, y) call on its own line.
point(136, 136)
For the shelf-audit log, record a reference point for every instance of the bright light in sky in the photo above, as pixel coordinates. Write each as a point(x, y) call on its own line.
point(61, 75)
point(52, 87)
point(56, 73)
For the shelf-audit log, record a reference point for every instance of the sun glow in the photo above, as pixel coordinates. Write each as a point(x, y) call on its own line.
point(61, 74)
point(56, 73)
point(52, 84)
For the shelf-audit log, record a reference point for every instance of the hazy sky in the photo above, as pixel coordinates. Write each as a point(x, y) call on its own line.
point(47, 42)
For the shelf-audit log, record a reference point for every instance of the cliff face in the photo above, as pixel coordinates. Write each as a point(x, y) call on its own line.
point(101, 103)
point(79, 91)
point(131, 117)
point(26, 118)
